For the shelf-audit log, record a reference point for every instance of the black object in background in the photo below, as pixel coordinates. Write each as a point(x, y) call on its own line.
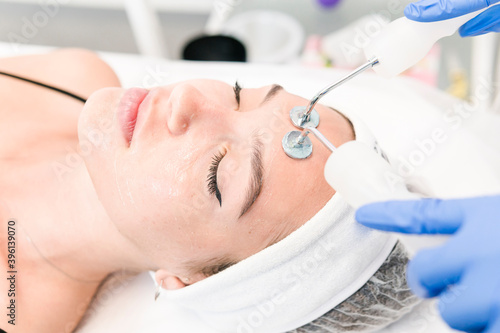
point(215, 48)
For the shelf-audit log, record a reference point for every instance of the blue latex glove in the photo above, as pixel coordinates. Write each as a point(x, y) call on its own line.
point(437, 10)
point(465, 271)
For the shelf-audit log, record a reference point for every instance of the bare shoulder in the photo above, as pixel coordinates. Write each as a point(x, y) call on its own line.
point(78, 70)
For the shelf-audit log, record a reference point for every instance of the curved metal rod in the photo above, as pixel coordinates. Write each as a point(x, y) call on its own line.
point(305, 118)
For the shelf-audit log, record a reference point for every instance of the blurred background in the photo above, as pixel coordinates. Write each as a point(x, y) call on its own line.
point(314, 33)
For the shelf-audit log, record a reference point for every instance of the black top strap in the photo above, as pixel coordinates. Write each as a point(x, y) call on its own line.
point(46, 86)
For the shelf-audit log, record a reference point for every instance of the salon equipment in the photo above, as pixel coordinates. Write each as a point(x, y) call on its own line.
point(269, 36)
point(404, 42)
point(215, 48)
point(333, 45)
point(213, 45)
point(146, 27)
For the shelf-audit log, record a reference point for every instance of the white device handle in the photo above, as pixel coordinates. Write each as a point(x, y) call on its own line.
point(404, 42)
point(362, 176)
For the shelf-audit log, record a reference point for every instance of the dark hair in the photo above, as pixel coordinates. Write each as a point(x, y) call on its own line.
point(216, 268)
point(209, 267)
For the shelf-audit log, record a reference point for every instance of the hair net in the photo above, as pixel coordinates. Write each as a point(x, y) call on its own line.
point(384, 299)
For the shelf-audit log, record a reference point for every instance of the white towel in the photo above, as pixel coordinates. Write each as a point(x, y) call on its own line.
point(294, 281)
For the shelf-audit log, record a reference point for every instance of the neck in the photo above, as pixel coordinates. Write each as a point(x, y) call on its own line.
point(62, 218)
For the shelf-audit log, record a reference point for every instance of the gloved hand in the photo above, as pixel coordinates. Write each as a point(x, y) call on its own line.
point(465, 271)
point(437, 10)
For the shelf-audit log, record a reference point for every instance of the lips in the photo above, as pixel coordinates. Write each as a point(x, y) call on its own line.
point(128, 110)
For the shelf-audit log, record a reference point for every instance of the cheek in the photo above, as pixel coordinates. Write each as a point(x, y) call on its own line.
point(131, 199)
point(145, 190)
point(151, 199)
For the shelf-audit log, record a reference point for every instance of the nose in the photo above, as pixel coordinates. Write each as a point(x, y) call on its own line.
point(189, 106)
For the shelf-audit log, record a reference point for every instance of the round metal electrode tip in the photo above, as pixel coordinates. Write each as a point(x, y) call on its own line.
point(295, 150)
point(297, 113)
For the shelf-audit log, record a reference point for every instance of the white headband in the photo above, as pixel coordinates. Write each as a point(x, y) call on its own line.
point(296, 280)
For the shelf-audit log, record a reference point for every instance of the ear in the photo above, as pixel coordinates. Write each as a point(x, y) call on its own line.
point(170, 281)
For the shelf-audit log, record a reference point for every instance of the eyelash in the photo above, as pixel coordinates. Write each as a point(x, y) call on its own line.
point(237, 89)
point(212, 177)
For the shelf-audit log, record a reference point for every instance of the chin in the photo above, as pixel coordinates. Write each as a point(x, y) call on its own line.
point(97, 124)
point(96, 135)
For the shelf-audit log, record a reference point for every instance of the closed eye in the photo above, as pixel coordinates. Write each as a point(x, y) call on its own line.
point(213, 187)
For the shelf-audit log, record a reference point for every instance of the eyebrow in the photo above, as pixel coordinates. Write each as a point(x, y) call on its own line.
point(256, 179)
point(275, 89)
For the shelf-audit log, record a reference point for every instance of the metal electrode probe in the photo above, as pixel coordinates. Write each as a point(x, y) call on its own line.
point(295, 143)
point(356, 169)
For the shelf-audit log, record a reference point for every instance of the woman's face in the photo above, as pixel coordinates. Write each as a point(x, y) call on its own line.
point(201, 178)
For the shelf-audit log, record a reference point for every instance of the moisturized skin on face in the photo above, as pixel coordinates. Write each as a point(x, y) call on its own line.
point(155, 188)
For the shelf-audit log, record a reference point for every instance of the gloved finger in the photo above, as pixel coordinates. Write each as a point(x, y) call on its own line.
point(431, 271)
point(468, 305)
point(437, 10)
point(494, 326)
point(426, 216)
point(487, 21)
